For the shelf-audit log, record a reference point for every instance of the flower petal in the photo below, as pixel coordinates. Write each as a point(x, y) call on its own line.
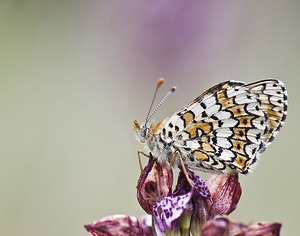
point(200, 184)
point(119, 225)
point(154, 183)
point(222, 225)
point(197, 214)
point(216, 227)
point(146, 224)
point(226, 192)
point(264, 228)
point(200, 213)
point(169, 209)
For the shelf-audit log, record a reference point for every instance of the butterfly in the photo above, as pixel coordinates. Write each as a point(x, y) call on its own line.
point(224, 130)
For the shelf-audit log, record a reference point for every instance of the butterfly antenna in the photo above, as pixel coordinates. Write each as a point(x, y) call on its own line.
point(159, 83)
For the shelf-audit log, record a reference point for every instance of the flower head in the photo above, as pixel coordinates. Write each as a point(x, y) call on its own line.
point(188, 207)
point(194, 207)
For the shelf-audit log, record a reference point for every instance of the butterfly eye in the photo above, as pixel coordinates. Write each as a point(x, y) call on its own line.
point(144, 131)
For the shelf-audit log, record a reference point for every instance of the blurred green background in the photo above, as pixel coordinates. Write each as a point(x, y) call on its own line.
point(75, 74)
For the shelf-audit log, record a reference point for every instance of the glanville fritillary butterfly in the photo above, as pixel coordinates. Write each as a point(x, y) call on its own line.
point(224, 130)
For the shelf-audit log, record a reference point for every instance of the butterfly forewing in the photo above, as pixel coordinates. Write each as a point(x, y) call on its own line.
point(228, 126)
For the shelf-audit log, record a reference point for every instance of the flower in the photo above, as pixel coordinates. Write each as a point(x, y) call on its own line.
point(199, 208)
point(194, 207)
point(155, 182)
point(188, 207)
point(226, 192)
point(222, 225)
point(115, 225)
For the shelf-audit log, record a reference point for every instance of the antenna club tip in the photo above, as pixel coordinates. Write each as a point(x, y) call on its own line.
point(160, 81)
point(173, 89)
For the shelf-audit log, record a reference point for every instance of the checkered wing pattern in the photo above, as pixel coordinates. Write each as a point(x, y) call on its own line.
point(229, 126)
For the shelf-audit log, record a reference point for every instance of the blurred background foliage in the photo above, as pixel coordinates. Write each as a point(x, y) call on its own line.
point(75, 74)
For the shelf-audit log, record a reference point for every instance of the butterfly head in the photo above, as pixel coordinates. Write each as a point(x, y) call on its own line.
point(142, 133)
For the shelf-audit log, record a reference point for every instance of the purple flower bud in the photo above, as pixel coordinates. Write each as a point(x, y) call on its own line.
point(154, 183)
point(115, 225)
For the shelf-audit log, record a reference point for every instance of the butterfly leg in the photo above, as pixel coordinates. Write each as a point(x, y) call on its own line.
point(140, 152)
point(177, 154)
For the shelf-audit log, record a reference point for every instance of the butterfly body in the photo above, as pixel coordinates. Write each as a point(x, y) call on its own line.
point(223, 130)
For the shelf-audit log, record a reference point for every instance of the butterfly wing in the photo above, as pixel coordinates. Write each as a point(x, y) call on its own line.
point(229, 126)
